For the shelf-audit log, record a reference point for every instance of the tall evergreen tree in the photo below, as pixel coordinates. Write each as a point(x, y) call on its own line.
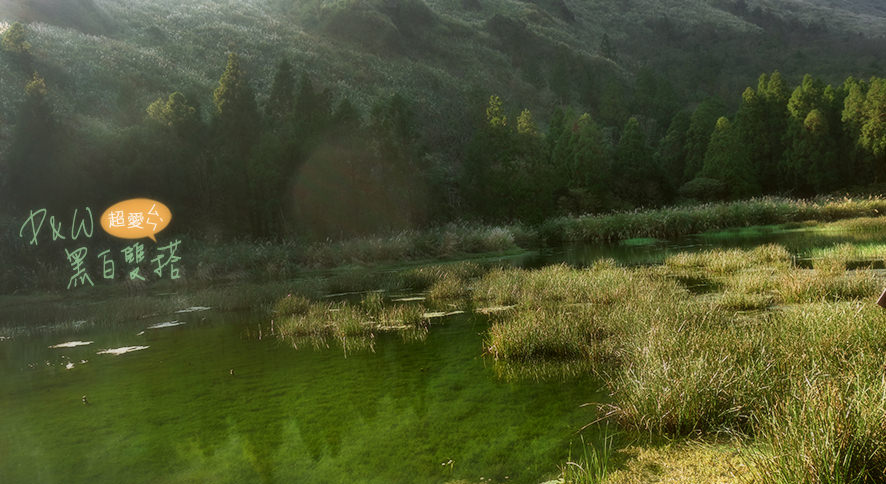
point(810, 94)
point(281, 99)
point(607, 48)
point(701, 125)
point(637, 176)
point(489, 163)
point(592, 168)
point(773, 93)
point(809, 162)
point(852, 119)
point(236, 113)
point(33, 171)
point(313, 111)
point(873, 131)
point(727, 160)
point(236, 128)
point(671, 153)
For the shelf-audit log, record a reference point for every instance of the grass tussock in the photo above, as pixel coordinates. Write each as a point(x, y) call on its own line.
point(602, 284)
point(550, 332)
point(350, 325)
point(592, 466)
point(790, 358)
point(826, 432)
point(725, 262)
point(292, 305)
point(445, 282)
point(703, 371)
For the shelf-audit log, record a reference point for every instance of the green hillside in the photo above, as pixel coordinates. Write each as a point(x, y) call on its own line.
point(107, 59)
point(432, 64)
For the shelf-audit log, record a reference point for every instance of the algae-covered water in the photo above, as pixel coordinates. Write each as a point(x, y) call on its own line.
point(207, 401)
point(210, 401)
point(802, 240)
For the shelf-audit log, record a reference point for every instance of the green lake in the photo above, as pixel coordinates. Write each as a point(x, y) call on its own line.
point(423, 411)
point(211, 401)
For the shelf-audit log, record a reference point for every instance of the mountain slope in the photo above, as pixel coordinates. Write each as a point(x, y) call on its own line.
point(107, 59)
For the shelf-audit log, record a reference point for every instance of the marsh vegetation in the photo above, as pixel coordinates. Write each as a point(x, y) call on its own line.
point(784, 359)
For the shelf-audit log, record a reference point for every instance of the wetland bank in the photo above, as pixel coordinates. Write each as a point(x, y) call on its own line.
point(750, 355)
point(426, 241)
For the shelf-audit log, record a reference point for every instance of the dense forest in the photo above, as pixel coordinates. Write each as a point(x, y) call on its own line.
point(290, 153)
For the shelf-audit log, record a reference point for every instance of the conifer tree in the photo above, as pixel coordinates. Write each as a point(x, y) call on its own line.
point(873, 131)
point(607, 48)
point(638, 178)
point(281, 99)
point(809, 162)
point(726, 159)
point(32, 170)
point(525, 124)
point(236, 113)
point(671, 153)
point(236, 129)
point(701, 125)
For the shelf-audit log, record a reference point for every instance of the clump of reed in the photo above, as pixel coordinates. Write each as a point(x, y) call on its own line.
point(787, 356)
point(740, 301)
point(292, 305)
point(444, 281)
point(558, 332)
point(702, 371)
point(825, 431)
point(440, 242)
point(449, 287)
point(351, 325)
point(603, 283)
point(672, 222)
point(693, 371)
point(803, 286)
point(572, 315)
point(835, 259)
point(724, 262)
point(593, 465)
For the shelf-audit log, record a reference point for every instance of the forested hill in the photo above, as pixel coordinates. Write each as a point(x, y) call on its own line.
point(109, 57)
point(102, 63)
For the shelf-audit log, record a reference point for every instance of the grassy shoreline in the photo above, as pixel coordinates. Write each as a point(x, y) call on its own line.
point(784, 360)
point(457, 241)
point(207, 262)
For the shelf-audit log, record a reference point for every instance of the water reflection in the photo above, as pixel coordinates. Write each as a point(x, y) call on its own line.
point(174, 412)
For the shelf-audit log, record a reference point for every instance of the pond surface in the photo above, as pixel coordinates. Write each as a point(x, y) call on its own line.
point(169, 410)
point(208, 401)
point(798, 239)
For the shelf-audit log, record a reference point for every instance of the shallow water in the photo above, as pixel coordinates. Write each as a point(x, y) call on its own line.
point(196, 396)
point(206, 402)
point(799, 240)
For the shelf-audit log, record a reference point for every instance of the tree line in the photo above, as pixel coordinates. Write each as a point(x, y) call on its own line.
point(812, 139)
point(309, 162)
point(303, 162)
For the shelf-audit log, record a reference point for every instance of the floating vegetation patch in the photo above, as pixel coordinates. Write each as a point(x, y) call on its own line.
point(352, 326)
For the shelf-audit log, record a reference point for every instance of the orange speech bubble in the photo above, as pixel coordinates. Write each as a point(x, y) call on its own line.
point(136, 218)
